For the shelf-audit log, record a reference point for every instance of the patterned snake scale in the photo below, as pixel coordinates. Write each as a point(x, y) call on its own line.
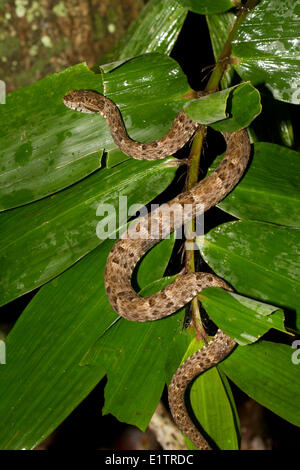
point(127, 251)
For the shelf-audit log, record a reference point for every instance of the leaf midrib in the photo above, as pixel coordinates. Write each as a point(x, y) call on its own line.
point(263, 268)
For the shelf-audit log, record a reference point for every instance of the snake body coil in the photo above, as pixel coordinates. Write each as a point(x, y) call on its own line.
point(181, 131)
point(128, 250)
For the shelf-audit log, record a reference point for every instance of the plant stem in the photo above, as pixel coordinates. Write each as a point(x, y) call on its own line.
point(196, 149)
point(224, 57)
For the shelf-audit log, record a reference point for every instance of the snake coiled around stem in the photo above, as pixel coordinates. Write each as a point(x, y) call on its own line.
point(129, 249)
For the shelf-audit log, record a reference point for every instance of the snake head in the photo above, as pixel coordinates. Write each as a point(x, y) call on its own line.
point(85, 101)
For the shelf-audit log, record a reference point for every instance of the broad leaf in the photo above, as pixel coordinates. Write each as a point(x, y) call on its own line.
point(275, 123)
point(43, 381)
point(42, 239)
point(134, 355)
point(266, 48)
point(153, 267)
point(243, 319)
point(47, 147)
point(219, 27)
point(207, 8)
point(244, 107)
point(154, 30)
point(268, 190)
point(213, 405)
point(265, 372)
point(42, 147)
point(258, 260)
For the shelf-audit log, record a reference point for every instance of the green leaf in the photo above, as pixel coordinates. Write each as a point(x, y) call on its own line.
point(275, 123)
point(243, 319)
point(42, 381)
point(134, 356)
point(226, 106)
point(268, 190)
point(46, 148)
point(43, 372)
point(207, 8)
point(266, 48)
point(57, 231)
point(258, 260)
point(153, 267)
point(219, 27)
point(55, 156)
point(140, 87)
point(244, 107)
point(53, 384)
point(123, 83)
point(155, 30)
point(265, 372)
point(213, 405)
point(220, 420)
point(43, 147)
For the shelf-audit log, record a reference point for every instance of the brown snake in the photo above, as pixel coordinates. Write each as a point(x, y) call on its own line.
point(127, 251)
